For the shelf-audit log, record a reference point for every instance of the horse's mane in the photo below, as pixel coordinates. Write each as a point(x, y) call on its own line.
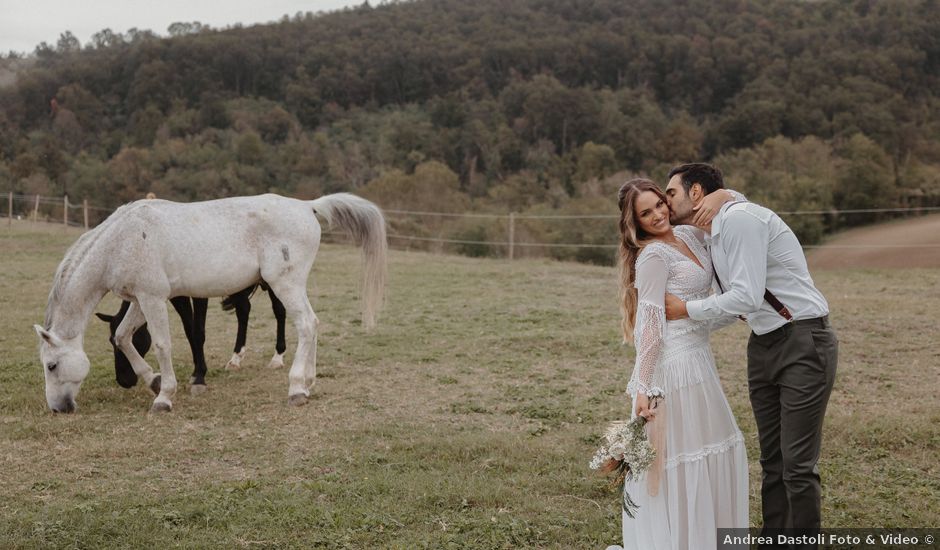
point(73, 256)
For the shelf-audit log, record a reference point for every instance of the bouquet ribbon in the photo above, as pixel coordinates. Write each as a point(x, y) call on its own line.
point(656, 433)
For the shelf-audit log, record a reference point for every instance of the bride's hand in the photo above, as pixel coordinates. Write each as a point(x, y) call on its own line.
point(706, 209)
point(642, 407)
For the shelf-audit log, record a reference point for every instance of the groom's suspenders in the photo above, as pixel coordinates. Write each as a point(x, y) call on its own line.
point(768, 295)
point(779, 307)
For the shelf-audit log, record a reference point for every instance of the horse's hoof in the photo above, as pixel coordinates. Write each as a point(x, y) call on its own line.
point(155, 385)
point(297, 400)
point(236, 361)
point(277, 362)
point(198, 389)
point(160, 407)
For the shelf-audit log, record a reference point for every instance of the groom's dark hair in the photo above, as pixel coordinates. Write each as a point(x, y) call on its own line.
point(703, 174)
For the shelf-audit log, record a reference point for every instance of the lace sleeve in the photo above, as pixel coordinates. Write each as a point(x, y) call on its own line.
point(651, 275)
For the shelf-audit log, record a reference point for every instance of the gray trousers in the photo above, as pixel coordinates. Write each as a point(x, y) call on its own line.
point(790, 375)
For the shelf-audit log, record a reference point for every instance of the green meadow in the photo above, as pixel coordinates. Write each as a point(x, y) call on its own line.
point(466, 419)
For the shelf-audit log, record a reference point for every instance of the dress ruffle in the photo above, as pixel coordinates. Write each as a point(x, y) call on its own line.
point(705, 483)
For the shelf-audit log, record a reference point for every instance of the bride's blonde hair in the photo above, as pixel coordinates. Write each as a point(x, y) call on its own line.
point(632, 241)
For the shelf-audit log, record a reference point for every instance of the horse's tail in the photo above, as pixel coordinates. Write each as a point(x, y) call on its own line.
point(229, 302)
point(366, 225)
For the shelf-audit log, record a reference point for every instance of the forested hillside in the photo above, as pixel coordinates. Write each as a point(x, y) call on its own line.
point(494, 105)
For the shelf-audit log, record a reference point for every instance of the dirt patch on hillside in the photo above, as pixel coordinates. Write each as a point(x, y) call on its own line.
point(898, 244)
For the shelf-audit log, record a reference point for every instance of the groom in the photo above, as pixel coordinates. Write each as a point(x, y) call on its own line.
point(762, 275)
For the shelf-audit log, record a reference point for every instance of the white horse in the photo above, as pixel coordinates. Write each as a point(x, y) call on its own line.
point(151, 250)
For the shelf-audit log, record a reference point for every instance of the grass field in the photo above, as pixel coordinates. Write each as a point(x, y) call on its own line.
point(465, 420)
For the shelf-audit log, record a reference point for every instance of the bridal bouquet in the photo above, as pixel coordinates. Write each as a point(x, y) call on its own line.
point(626, 452)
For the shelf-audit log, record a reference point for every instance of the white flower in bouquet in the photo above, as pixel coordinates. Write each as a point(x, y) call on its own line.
point(626, 452)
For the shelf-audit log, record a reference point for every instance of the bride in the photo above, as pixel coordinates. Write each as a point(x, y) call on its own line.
point(699, 481)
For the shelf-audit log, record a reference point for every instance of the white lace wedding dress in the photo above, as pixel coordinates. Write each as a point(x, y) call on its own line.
point(704, 483)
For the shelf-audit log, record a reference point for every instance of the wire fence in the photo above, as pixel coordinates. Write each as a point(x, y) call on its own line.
point(514, 234)
point(511, 243)
point(833, 212)
point(40, 208)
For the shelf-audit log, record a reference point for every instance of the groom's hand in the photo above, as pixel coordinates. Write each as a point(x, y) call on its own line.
point(675, 308)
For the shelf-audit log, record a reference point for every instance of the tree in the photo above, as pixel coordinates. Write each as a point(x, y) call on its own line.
point(183, 28)
point(249, 148)
point(432, 187)
point(106, 38)
point(865, 179)
point(302, 99)
point(594, 161)
point(51, 157)
point(89, 112)
point(212, 113)
point(748, 123)
point(518, 193)
point(68, 43)
point(24, 164)
point(68, 131)
point(787, 176)
point(154, 83)
point(130, 175)
point(144, 124)
point(85, 178)
point(275, 125)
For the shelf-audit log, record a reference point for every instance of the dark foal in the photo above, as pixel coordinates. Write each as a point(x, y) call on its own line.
point(192, 312)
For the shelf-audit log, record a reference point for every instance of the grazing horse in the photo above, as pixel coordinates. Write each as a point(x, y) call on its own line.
point(149, 251)
point(192, 312)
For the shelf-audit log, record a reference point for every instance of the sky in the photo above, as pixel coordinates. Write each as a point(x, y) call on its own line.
point(26, 23)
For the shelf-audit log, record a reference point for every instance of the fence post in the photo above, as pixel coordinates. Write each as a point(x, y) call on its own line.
point(36, 209)
point(512, 234)
point(10, 223)
point(85, 210)
point(65, 211)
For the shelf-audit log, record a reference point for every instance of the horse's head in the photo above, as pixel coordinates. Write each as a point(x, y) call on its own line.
point(123, 371)
point(65, 366)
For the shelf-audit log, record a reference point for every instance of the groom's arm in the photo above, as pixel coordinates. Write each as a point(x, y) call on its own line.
point(744, 240)
point(709, 206)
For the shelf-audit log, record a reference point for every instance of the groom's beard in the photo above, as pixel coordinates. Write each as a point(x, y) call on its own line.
point(681, 217)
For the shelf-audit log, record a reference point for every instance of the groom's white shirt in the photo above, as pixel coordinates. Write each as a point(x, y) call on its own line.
point(753, 249)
